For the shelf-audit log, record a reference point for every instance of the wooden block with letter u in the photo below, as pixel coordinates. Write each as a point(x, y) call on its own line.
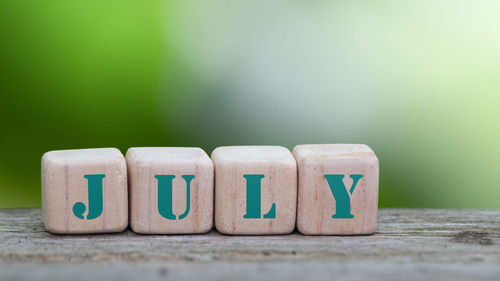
point(171, 190)
point(337, 189)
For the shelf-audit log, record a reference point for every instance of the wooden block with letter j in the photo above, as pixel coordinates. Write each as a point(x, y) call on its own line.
point(337, 189)
point(171, 190)
point(255, 190)
point(84, 191)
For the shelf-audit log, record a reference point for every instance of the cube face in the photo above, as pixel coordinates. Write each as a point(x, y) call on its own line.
point(84, 191)
point(255, 190)
point(161, 181)
point(337, 189)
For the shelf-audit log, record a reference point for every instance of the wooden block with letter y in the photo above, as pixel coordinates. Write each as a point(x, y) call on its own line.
point(84, 191)
point(255, 190)
point(171, 190)
point(337, 189)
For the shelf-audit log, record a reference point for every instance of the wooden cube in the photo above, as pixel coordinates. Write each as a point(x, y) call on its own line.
point(84, 191)
point(255, 190)
point(171, 190)
point(338, 189)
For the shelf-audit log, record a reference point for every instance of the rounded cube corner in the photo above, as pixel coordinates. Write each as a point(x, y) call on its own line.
point(222, 228)
point(206, 228)
point(289, 229)
point(138, 228)
point(54, 228)
point(50, 161)
point(304, 229)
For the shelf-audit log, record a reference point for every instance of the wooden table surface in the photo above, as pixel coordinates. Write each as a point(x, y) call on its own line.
point(410, 244)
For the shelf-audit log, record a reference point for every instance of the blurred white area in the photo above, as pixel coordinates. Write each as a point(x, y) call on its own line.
point(340, 67)
point(419, 81)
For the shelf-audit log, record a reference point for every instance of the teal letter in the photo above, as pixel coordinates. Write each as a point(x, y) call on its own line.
point(165, 196)
point(253, 199)
point(342, 198)
point(95, 198)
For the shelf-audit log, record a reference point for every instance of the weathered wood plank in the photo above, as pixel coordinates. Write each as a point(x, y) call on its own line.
point(409, 244)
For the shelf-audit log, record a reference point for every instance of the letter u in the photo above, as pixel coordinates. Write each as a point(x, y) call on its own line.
point(165, 196)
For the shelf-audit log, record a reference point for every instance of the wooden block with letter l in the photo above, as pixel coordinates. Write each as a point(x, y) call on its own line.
point(171, 190)
point(255, 190)
point(337, 189)
point(84, 191)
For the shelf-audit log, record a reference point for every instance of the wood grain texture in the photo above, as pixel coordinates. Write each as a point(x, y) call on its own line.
point(409, 244)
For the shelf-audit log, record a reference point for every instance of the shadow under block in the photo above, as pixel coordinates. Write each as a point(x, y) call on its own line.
point(171, 190)
point(255, 190)
point(337, 189)
point(84, 191)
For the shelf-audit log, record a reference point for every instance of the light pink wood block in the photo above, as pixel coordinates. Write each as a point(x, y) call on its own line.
point(316, 202)
point(278, 186)
point(144, 163)
point(64, 185)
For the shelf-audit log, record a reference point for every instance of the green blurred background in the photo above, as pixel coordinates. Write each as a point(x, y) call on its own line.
point(418, 81)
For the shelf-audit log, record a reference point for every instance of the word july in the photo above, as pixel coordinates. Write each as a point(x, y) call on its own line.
point(325, 189)
point(253, 197)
